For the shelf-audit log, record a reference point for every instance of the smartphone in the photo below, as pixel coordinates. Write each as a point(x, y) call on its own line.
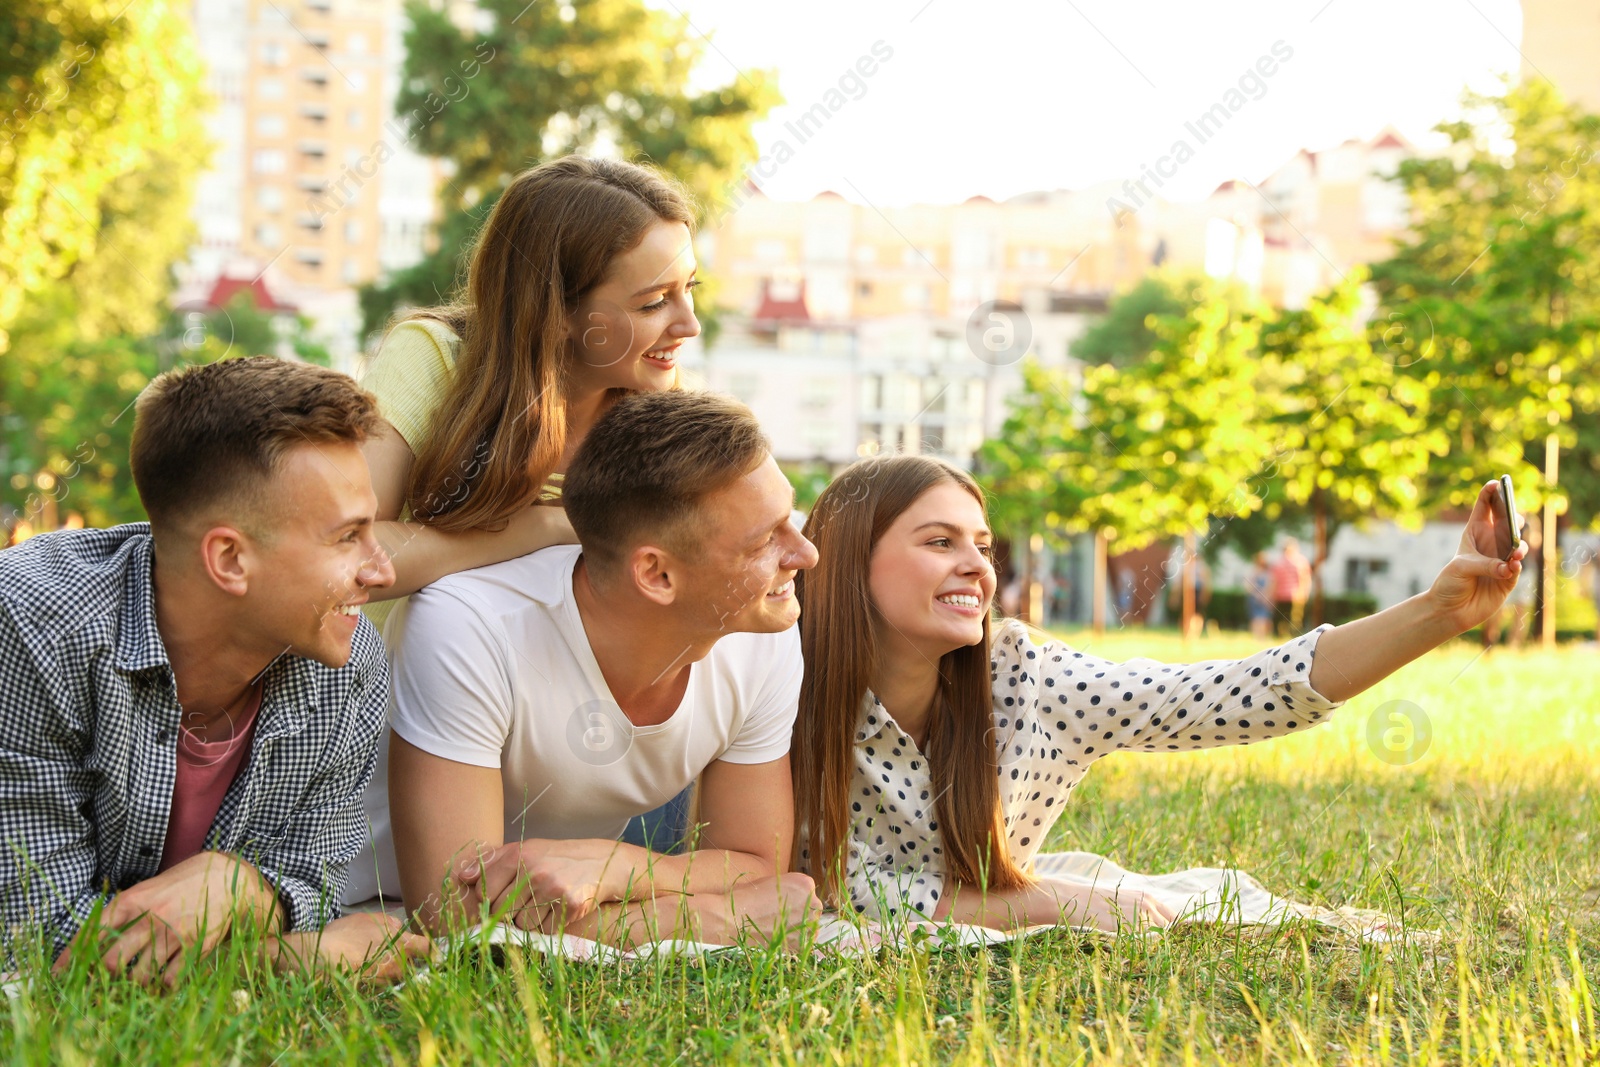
point(1511, 536)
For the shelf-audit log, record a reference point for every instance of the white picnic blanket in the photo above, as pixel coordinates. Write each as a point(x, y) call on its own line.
point(1215, 895)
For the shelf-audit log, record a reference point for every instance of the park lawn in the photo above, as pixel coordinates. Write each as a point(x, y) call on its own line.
point(1486, 839)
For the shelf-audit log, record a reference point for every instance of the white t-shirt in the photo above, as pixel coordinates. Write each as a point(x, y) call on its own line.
point(492, 667)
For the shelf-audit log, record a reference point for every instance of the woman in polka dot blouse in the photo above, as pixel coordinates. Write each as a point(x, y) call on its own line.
point(931, 757)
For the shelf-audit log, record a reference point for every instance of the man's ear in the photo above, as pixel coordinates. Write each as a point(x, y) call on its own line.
point(654, 574)
point(226, 554)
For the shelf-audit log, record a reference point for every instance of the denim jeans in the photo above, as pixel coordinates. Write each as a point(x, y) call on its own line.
point(663, 829)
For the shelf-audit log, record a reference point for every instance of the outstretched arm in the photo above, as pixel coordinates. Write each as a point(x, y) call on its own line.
point(1356, 656)
point(422, 554)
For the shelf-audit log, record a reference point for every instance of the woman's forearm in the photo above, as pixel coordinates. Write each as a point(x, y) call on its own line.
point(423, 554)
point(1356, 656)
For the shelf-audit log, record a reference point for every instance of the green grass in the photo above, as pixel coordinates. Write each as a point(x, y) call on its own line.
point(1488, 839)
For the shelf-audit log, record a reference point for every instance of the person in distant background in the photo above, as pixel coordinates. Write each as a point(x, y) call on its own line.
point(1258, 596)
point(1291, 584)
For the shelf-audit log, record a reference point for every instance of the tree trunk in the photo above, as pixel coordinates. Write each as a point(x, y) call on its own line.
point(1549, 551)
point(1097, 611)
point(1319, 553)
point(1188, 584)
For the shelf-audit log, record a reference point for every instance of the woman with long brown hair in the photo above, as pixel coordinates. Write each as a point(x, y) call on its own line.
point(932, 753)
point(579, 290)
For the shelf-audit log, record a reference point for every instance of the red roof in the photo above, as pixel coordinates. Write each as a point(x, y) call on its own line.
point(783, 310)
point(1390, 140)
point(225, 289)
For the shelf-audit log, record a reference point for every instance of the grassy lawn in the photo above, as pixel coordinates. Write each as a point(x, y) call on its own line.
point(1487, 839)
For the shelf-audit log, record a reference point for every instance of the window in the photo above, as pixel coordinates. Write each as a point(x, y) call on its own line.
point(269, 89)
point(872, 392)
point(267, 234)
point(356, 44)
point(352, 231)
point(269, 198)
point(819, 436)
point(1358, 574)
point(274, 54)
point(915, 295)
point(818, 393)
point(268, 161)
point(269, 126)
point(311, 257)
point(354, 118)
point(349, 272)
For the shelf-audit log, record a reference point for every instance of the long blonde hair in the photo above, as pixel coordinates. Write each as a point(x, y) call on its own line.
point(837, 627)
point(550, 239)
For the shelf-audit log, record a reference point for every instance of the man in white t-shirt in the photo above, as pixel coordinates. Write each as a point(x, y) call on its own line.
point(541, 703)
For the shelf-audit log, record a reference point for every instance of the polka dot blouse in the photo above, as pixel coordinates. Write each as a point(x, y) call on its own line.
point(1056, 711)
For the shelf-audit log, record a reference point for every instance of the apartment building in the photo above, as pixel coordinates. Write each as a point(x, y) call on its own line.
point(313, 184)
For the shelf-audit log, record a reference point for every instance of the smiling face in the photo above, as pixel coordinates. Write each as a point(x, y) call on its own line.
point(627, 330)
point(743, 577)
point(932, 576)
point(321, 561)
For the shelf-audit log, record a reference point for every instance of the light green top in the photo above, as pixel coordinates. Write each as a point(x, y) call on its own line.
point(410, 377)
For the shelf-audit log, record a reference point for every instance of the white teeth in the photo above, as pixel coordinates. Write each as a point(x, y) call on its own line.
point(959, 600)
point(348, 609)
point(783, 589)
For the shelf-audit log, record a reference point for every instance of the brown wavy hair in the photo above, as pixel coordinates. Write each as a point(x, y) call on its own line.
point(838, 624)
point(550, 239)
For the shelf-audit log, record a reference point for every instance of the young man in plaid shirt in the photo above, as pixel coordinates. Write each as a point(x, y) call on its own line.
point(190, 708)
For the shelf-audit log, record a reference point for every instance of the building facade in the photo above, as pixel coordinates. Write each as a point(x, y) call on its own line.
point(314, 186)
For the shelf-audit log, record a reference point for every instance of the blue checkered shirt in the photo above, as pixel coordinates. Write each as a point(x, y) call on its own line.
point(89, 720)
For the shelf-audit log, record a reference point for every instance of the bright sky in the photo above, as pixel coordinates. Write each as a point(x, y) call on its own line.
point(1014, 95)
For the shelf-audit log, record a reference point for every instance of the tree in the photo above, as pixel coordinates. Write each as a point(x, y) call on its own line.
point(97, 169)
point(1493, 291)
point(1496, 294)
point(1148, 450)
point(1349, 429)
point(1125, 332)
point(98, 157)
point(547, 80)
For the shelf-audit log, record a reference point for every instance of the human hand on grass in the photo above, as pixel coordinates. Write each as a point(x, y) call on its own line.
point(533, 881)
point(145, 932)
point(375, 944)
point(1114, 910)
point(1477, 581)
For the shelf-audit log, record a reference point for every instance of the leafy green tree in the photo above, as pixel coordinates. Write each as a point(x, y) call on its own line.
point(1493, 295)
point(1126, 333)
point(1349, 429)
point(547, 80)
point(1148, 450)
point(98, 157)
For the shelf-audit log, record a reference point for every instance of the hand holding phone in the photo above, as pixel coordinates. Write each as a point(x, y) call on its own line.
point(1508, 534)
